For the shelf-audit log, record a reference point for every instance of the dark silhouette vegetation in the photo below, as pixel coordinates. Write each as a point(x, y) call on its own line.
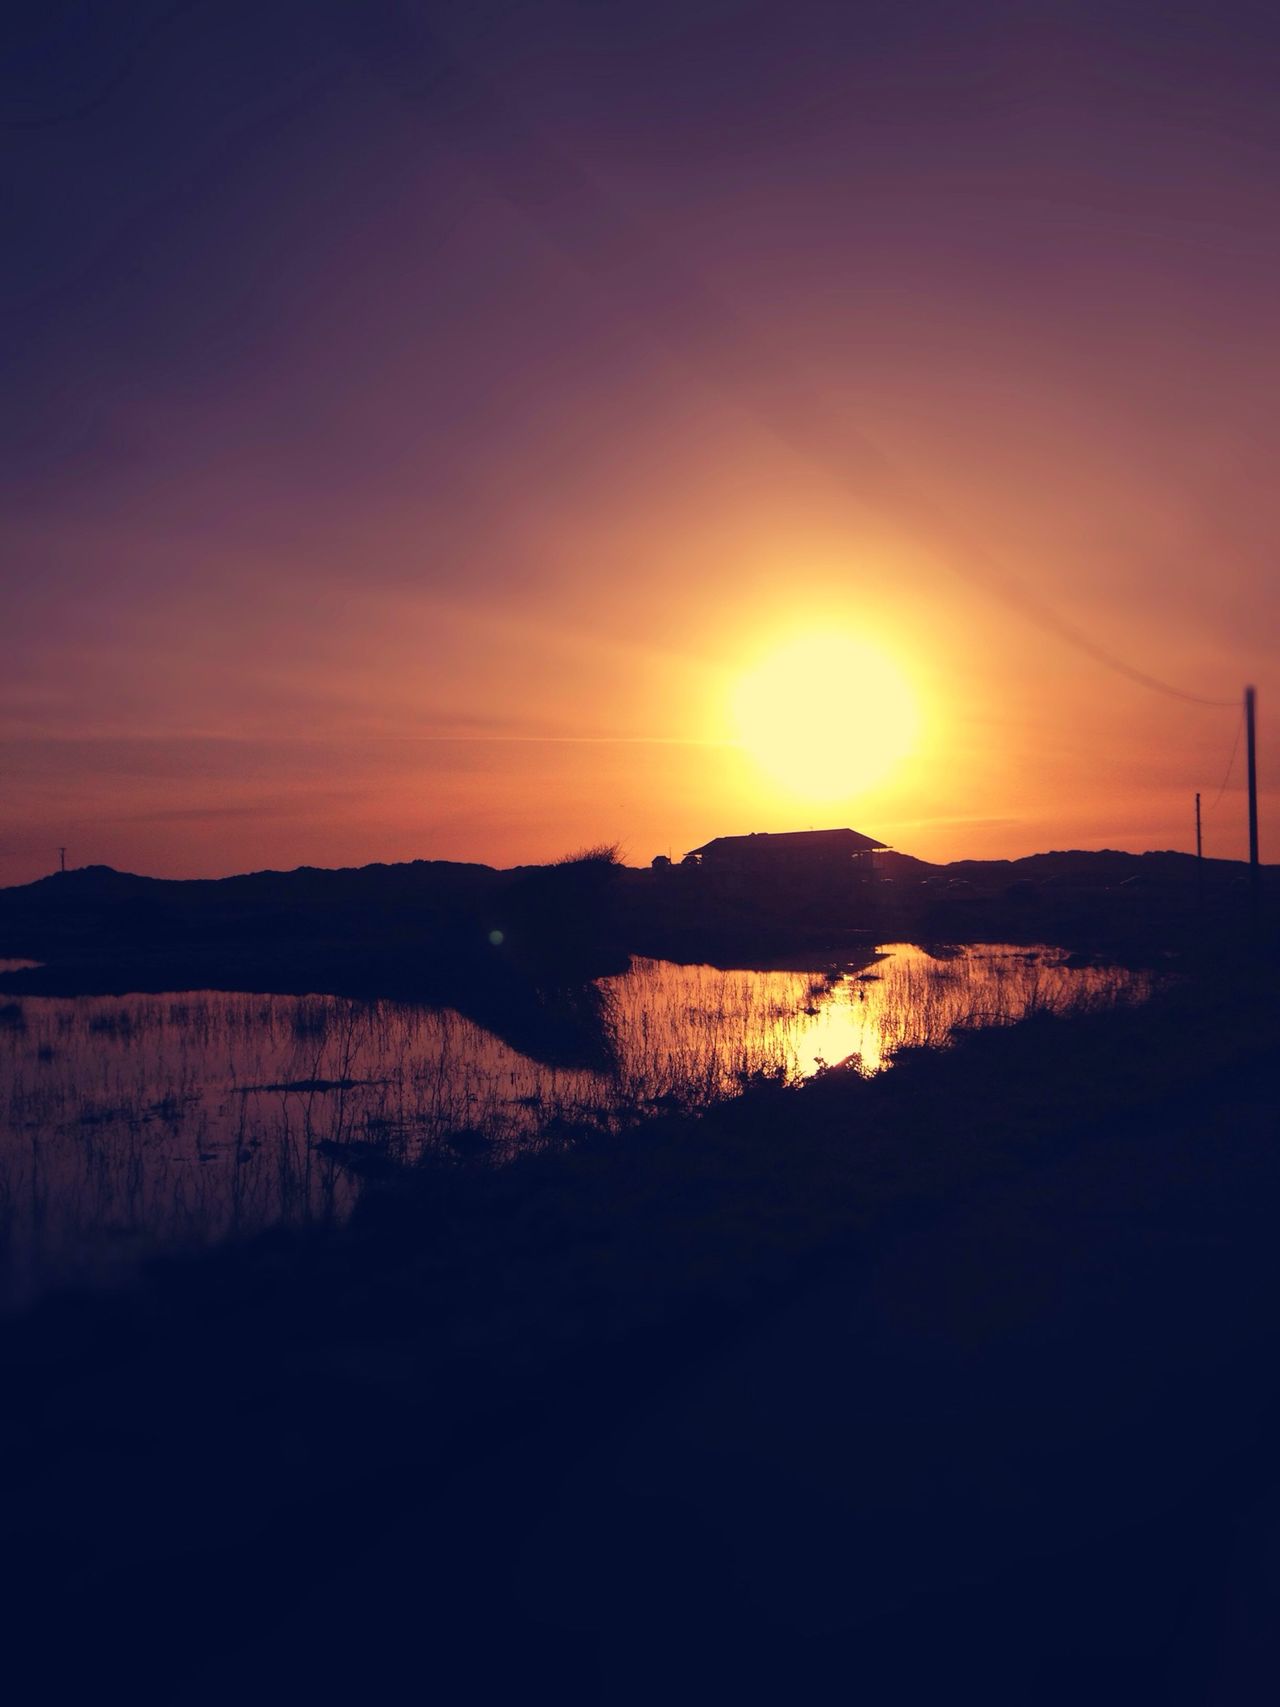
point(517, 950)
point(958, 1380)
point(435, 929)
point(964, 1371)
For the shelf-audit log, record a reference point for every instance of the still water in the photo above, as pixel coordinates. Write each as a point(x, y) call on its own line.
point(140, 1124)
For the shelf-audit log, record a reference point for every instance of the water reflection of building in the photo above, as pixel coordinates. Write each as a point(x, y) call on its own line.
point(791, 853)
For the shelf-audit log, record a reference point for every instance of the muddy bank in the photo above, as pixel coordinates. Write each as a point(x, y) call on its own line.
point(349, 1456)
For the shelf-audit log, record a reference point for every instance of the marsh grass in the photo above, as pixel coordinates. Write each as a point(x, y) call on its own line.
point(194, 1118)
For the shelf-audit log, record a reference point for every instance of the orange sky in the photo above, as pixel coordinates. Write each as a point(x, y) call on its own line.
point(386, 485)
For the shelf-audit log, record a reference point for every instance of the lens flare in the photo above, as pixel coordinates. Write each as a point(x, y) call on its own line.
point(826, 715)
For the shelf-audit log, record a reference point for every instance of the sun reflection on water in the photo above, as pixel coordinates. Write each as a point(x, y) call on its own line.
point(709, 1028)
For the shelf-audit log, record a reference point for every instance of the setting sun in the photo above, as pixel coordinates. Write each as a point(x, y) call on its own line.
point(825, 714)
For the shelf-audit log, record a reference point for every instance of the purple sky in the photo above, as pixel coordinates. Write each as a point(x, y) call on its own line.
point(417, 418)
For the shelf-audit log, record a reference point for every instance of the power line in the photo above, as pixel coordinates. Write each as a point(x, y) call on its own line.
point(1231, 763)
point(579, 219)
point(652, 288)
point(1043, 616)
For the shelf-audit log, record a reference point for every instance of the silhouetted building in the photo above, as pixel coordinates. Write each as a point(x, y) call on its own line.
point(792, 853)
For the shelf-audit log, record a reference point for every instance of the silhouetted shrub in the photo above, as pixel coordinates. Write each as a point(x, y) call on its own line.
point(606, 854)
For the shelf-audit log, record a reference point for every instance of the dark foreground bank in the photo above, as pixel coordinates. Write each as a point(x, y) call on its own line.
point(958, 1382)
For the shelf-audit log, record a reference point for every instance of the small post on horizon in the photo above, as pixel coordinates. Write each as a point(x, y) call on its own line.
point(1251, 753)
point(62, 861)
point(1199, 858)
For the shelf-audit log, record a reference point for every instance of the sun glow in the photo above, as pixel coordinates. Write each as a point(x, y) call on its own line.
point(827, 715)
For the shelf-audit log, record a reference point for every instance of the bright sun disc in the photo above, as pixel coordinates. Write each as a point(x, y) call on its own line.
point(826, 715)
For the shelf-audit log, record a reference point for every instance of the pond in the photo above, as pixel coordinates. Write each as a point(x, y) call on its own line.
point(132, 1125)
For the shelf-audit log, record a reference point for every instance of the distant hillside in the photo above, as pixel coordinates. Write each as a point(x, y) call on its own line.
point(421, 878)
point(496, 945)
point(1091, 867)
point(1087, 867)
point(105, 880)
point(440, 930)
point(96, 910)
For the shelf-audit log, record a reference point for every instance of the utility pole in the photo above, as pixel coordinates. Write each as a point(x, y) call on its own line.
point(62, 860)
point(1251, 751)
point(1199, 856)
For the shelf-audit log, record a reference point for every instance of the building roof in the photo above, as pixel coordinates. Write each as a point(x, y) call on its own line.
point(793, 841)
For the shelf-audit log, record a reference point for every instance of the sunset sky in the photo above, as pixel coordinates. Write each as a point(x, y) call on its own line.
point(435, 431)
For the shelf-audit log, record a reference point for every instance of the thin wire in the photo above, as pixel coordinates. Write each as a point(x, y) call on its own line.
point(577, 217)
point(1231, 765)
point(574, 214)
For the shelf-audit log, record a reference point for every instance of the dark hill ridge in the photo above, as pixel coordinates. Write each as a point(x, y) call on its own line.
point(1089, 865)
point(106, 880)
point(1096, 865)
point(416, 877)
point(98, 914)
point(442, 931)
point(516, 951)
